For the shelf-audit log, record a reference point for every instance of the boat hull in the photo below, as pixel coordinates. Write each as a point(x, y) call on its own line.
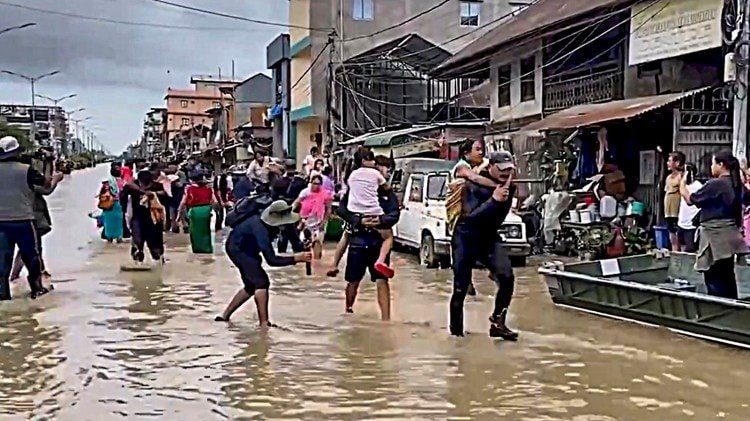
point(634, 294)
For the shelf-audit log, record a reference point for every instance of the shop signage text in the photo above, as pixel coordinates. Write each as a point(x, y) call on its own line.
point(672, 28)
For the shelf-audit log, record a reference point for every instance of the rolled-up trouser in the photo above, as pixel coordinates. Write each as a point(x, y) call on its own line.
point(468, 249)
point(254, 277)
point(146, 233)
point(22, 234)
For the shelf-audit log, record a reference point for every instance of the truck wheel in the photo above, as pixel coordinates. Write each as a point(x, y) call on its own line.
point(427, 256)
point(518, 261)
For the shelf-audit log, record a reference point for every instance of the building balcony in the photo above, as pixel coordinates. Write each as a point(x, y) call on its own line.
point(589, 89)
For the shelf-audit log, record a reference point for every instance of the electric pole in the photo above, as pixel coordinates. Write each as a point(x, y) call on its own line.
point(742, 60)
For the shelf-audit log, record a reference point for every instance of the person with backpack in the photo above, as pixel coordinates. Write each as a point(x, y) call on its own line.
point(109, 203)
point(255, 222)
point(17, 221)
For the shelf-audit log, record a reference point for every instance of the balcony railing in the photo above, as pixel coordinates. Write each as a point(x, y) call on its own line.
point(589, 89)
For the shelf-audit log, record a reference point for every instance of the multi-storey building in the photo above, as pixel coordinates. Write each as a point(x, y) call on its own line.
point(51, 122)
point(398, 54)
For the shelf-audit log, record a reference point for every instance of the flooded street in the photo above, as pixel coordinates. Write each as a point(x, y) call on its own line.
point(109, 345)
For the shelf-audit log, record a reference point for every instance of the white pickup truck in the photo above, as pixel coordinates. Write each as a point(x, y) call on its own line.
point(422, 185)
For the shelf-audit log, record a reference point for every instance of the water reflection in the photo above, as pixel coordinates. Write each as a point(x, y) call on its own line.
point(144, 346)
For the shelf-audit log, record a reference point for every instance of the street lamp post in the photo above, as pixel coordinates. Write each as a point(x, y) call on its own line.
point(58, 100)
point(32, 80)
point(13, 28)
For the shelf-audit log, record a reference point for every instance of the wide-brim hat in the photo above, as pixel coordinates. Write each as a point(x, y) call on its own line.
point(279, 213)
point(10, 147)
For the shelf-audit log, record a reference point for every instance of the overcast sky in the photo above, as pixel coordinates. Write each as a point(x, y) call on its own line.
point(120, 71)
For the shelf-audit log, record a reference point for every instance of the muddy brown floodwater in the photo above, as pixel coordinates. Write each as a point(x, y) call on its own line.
point(110, 345)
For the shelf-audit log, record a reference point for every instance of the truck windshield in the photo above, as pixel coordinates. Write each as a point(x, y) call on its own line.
point(437, 187)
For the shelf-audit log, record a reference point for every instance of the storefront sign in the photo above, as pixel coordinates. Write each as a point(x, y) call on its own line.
point(670, 28)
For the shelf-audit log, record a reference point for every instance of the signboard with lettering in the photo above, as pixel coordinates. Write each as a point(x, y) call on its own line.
point(670, 28)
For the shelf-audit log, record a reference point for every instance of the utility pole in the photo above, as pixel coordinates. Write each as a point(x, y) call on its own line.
point(331, 94)
point(33, 81)
point(742, 60)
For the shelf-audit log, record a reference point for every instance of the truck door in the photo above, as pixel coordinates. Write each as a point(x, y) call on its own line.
point(409, 225)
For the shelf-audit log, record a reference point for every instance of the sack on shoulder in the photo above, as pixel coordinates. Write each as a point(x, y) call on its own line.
point(106, 201)
point(247, 207)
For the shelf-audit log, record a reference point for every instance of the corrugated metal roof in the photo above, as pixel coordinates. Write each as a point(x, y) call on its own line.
point(537, 17)
point(385, 138)
point(586, 115)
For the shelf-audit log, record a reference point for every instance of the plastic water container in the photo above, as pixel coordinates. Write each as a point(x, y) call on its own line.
point(661, 235)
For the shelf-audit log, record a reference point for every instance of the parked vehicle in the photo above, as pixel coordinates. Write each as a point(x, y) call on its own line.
point(421, 185)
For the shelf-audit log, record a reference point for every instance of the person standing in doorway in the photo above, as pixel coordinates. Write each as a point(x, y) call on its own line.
point(720, 241)
point(676, 166)
point(17, 221)
point(475, 239)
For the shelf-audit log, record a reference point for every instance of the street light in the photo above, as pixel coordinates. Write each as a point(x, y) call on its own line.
point(58, 100)
point(32, 80)
point(13, 28)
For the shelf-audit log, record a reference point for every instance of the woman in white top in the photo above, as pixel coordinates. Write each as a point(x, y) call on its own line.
point(685, 228)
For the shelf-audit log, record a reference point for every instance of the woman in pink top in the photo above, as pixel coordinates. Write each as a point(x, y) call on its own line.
point(315, 206)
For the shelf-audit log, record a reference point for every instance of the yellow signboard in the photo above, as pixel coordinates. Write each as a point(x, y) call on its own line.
point(670, 28)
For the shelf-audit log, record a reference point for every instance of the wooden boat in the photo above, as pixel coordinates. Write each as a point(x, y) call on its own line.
point(659, 289)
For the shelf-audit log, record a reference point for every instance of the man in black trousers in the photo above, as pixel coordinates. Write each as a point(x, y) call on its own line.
point(476, 239)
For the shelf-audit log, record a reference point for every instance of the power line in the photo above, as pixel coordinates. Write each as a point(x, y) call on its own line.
point(310, 67)
point(554, 61)
point(116, 21)
point(236, 17)
point(417, 16)
point(456, 38)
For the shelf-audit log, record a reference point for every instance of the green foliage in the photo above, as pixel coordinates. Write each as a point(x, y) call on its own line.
point(8, 130)
point(554, 149)
point(637, 241)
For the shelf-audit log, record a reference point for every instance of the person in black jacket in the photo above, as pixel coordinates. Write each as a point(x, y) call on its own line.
point(252, 238)
point(365, 242)
point(476, 239)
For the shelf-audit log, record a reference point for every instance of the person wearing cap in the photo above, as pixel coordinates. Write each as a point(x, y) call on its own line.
point(17, 220)
point(248, 244)
point(475, 238)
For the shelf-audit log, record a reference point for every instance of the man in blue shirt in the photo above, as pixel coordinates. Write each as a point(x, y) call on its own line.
point(252, 238)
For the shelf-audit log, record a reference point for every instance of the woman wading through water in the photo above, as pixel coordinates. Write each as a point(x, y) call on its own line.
point(720, 239)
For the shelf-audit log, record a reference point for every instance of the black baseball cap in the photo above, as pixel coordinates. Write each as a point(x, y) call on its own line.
point(503, 159)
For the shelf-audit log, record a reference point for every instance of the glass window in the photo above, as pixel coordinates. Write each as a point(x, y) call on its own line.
point(183, 103)
point(503, 86)
point(185, 121)
point(217, 104)
point(363, 10)
point(470, 13)
point(528, 70)
point(415, 192)
point(437, 187)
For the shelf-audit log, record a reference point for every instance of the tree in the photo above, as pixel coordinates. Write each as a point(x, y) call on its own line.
point(8, 130)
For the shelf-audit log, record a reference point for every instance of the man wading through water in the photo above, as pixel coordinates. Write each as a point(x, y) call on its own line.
point(17, 222)
point(475, 239)
point(365, 242)
point(146, 229)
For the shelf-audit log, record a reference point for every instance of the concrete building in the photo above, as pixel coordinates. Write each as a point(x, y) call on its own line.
point(154, 131)
point(252, 99)
point(278, 60)
point(51, 122)
point(187, 108)
point(361, 28)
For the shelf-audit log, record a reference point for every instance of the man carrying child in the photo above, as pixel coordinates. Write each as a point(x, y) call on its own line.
point(371, 210)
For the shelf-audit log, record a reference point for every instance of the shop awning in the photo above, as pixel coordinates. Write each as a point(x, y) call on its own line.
point(590, 114)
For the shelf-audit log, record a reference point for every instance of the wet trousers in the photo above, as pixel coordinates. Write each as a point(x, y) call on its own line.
point(467, 251)
point(720, 279)
point(21, 234)
point(146, 233)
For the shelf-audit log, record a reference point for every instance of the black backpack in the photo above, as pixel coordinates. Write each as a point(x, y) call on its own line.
point(247, 207)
